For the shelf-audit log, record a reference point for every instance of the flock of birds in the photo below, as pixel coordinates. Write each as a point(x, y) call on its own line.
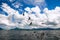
point(49, 18)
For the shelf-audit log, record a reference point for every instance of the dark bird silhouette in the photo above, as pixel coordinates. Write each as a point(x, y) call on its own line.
point(29, 18)
point(30, 23)
point(23, 14)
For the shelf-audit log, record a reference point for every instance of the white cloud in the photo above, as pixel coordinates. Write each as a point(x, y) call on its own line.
point(49, 19)
point(39, 0)
point(36, 9)
point(11, 0)
point(17, 4)
point(41, 3)
point(5, 21)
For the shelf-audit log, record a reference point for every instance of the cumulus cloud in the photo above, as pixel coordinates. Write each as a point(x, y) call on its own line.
point(49, 19)
point(11, 0)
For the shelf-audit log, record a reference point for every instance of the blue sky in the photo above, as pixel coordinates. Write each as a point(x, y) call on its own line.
point(50, 4)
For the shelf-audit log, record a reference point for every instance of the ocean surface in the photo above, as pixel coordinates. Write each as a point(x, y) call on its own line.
point(29, 34)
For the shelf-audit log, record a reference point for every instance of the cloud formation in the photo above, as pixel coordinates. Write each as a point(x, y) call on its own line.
point(49, 19)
